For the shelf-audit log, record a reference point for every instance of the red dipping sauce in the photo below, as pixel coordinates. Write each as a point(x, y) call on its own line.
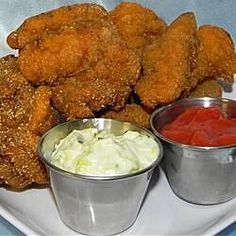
point(201, 126)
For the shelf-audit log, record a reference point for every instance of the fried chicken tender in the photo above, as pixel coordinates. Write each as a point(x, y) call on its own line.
point(77, 99)
point(108, 84)
point(167, 63)
point(132, 113)
point(15, 93)
point(10, 176)
point(137, 25)
point(68, 52)
point(41, 116)
point(34, 27)
point(64, 53)
point(18, 153)
point(208, 88)
point(215, 55)
point(24, 111)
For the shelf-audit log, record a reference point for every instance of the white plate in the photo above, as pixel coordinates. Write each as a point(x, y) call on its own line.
point(34, 211)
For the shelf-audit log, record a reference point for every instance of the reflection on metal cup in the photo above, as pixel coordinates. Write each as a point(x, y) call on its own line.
point(201, 175)
point(96, 205)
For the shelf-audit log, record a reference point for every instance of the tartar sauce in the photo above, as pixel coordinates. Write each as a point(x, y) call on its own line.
point(94, 152)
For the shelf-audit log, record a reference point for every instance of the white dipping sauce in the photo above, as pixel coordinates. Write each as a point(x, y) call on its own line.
point(94, 152)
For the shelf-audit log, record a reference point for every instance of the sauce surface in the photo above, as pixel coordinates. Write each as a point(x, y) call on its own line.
point(94, 152)
point(199, 126)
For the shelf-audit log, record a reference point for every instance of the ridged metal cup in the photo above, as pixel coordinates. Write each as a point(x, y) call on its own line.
point(201, 175)
point(96, 205)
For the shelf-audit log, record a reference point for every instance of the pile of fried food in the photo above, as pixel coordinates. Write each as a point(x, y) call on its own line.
point(83, 61)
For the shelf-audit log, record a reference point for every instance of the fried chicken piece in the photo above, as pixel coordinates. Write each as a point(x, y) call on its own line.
point(19, 150)
point(10, 176)
point(234, 63)
point(20, 102)
point(215, 55)
point(132, 113)
point(25, 113)
point(9, 67)
point(137, 25)
point(41, 115)
point(76, 98)
point(108, 84)
point(34, 27)
point(208, 88)
point(15, 93)
point(167, 63)
point(69, 52)
point(64, 54)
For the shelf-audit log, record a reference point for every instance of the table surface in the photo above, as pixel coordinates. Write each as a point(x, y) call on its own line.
point(7, 229)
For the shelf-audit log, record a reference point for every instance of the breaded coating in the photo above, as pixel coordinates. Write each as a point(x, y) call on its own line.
point(137, 25)
point(10, 176)
point(167, 63)
point(34, 27)
point(41, 115)
point(77, 99)
point(108, 84)
point(65, 53)
point(215, 55)
point(15, 93)
point(25, 113)
point(208, 88)
point(18, 152)
point(70, 51)
point(132, 113)
point(234, 63)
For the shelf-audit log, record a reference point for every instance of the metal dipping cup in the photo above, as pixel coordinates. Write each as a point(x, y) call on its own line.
point(96, 205)
point(200, 175)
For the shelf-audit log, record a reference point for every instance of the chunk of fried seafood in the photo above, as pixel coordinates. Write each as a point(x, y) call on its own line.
point(107, 85)
point(65, 53)
point(208, 88)
point(22, 167)
point(25, 113)
point(137, 25)
point(167, 63)
point(70, 52)
point(35, 26)
point(215, 55)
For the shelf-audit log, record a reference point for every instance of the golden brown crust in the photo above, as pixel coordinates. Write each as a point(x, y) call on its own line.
point(25, 159)
point(69, 51)
point(24, 111)
point(208, 88)
point(41, 111)
point(10, 177)
point(15, 93)
point(62, 54)
point(215, 55)
point(34, 27)
point(106, 83)
point(133, 113)
point(167, 63)
point(137, 25)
